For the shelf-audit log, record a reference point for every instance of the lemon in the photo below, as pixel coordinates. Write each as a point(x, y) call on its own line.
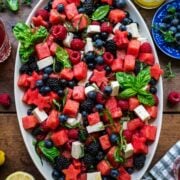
point(20, 175)
point(2, 158)
point(149, 3)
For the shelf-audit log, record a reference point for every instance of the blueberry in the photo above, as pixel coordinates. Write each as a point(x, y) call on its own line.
point(177, 37)
point(81, 10)
point(108, 90)
point(126, 21)
point(163, 26)
point(92, 95)
point(100, 156)
point(56, 174)
point(107, 69)
point(175, 22)
point(60, 8)
point(39, 83)
point(120, 3)
point(89, 57)
point(99, 43)
point(177, 15)
point(29, 111)
point(153, 81)
point(99, 60)
point(84, 114)
point(167, 19)
point(130, 170)
point(122, 27)
point(96, 36)
point(45, 76)
point(106, 178)
point(63, 118)
point(104, 35)
point(63, 83)
point(71, 83)
point(48, 143)
point(178, 28)
point(42, 90)
point(99, 107)
point(91, 66)
point(114, 138)
point(153, 90)
point(61, 93)
point(47, 89)
point(173, 29)
point(114, 173)
point(48, 70)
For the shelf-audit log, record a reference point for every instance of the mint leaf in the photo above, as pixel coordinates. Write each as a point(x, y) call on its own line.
point(146, 98)
point(127, 93)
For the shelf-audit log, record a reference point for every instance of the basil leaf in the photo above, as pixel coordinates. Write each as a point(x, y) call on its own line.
point(127, 93)
point(49, 153)
point(100, 12)
point(118, 158)
point(25, 53)
point(146, 99)
point(40, 34)
point(13, 5)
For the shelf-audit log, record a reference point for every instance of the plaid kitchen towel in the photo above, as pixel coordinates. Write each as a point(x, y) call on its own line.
point(163, 170)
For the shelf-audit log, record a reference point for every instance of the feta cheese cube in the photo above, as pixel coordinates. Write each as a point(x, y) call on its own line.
point(124, 125)
point(89, 89)
point(77, 150)
point(40, 114)
point(116, 27)
point(142, 113)
point(111, 36)
point(93, 29)
point(142, 39)
point(43, 63)
point(115, 88)
point(96, 127)
point(133, 29)
point(128, 152)
point(94, 176)
point(75, 121)
point(89, 45)
point(68, 39)
point(84, 81)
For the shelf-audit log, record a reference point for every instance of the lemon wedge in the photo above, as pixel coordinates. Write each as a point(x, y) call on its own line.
point(20, 175)
point(2, 158)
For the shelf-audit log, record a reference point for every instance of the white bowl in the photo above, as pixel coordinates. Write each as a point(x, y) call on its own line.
point(21, 108)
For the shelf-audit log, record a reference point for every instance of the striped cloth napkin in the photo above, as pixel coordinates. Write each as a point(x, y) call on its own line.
point(163, 170)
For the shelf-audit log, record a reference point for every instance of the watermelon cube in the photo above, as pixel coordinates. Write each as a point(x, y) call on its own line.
point(117, 65)
point(52, 121)
point(54, 17)
point(121, 54)
point(139, 146)
point(29, 122)
point(42, 50)
point(152, 110)
point(116, 15)
point(23, 81)
point(104, 167)
point(121, 39)
point(111, 103)
point(69, 93)
point(105, 142)
point(77, 2)
point(133, 48)
point(129, 63)
point(149, 132)
point(147, 58)
point(156, 71)
point(80, 71)
point(59, 138)
point(111, 155)
point(116, 113)
point(134, 124)
point(67, 73)
point(133, 103)
point(53, 48)
point(78, 93)
point(123, 174)
point(128, 163)
point(110, 2)
point(71, 10)
point(93, 118)
point(80, 21)
point(71, 108)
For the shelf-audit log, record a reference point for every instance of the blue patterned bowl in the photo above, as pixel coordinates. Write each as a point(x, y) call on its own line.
point(173, 52)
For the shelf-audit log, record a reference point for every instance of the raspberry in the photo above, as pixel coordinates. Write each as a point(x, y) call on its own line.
point(106, 27)
point(123, 104)
point(77, 44)
point(59, 32)
point(95, 23)
point(73, 133)
point(43, 13)
point(145, 48)
point(75, 57)
point(5, 100)
point(100, 67)
point(108, 58)
point(174, 98)
point(100, 99)
point(128, 135)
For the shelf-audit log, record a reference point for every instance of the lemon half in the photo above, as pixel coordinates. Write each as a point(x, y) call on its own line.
point(2, 158)
point(20, 175)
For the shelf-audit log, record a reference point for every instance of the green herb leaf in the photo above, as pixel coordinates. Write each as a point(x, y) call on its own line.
point(171, 9)
point(57, 104)
point(100, 12)
point(168, 36)
point(65, 97)
point(117, 156)
point(146, 98)
point(40, 34)
point(107, 112)
point(127, 93)
point(168, 73)
point(13, 5)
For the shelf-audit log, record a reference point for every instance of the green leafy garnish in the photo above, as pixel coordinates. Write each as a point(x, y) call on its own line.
point(27, 2)
point(13, 5)
point(28, 39)
point(135, 85)
point(63, 57)
point(108, 114)
point(171, 9)
point(117, 156)
point(65, 97)
point(49, 153)
point(100, 12)
point(57, 104)
point(168, 73)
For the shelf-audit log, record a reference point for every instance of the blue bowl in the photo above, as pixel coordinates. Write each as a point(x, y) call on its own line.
point(173, 52)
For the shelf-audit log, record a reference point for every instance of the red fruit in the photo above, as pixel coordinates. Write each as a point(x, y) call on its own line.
point(77, 164)
point(71, 10)
point(117, 65)
point(100, 98)
point(123, 104)
point(52, 121)
point(128, 163)
point(80, 71)
point(108, 58)
point(123, 174)
point(93, 118)
point(152, 110)
point(111, 103)
point(110, 156)
point(29, 122)
point(121, 54)
point(53, 48)
point(133, 47)
point(71, 172)
point(149, 132)
point(134, 124)
point(133, 103)
point(59, 32)
point(39, 21)
point(50, 40)
point(55, 3)
point(75, 57)
point(78, 93)
point(77, 2)
point(146, 48)
point(105, 142)
point(174, 97)
point(128, 135)
point(100, 67)
point(42, 50)
point(77, 44)
point(110, 2)
point(23, 81)
point(104, 167)
point(69, 93)
point(55, 17)
point(80, 22)
point(156, 71)
point(95, 23)
point(129, 63)
point(147, 58)
point(73, 133)
point(106, 27)
point(59, 138)
point(139, 146)
point(43, 13)
point(67, 73)
point(116, 15)
point(121, 39)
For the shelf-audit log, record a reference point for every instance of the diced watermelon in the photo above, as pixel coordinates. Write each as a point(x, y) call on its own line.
point(129, 63)
point(52, 121)
point(139, 146)
point(53, 48)
point(33, 78)
point(29, 122)
point(39, 21)
point(77, 2)
point(55, 17)
point(152, 110)
point(123, 175)
point(134, 124)
point(110, 2)
point(80, 71)
point(116, 15)
point(128, 163)
point(71, 10)
point(156, 71)
point(23, 81)
point(133, 47)
point(83, 176)
point(93, 118)
point(69, 93)
point(121, 39)
point(80, 21)
point(121, 54)
point(50, 40)
point(116, 113)
point(117, 65)
point(104, 167)
point(57, 2)
point(111, 103)
point(42, 50)
point(71, 108)
point(59, 138)
point(149, 132)
point(113, 129)
point(110, 156)
point(105, 142)
point(147, 58)
point(133, 103)
point(78, 93)
point(67, 73)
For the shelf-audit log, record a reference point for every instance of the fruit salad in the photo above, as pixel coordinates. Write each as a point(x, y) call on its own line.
point(89, 79)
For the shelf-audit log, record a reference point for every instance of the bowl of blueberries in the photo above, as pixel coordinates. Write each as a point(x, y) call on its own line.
point(166, 28)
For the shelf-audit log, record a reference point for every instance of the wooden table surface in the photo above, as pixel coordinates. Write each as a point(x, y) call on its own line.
point(10, 137)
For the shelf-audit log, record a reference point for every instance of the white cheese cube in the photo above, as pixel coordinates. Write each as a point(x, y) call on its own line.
point(43, 63)
point(68, 39)
point(95, 128)
point(89, 89)
point(115, 88)
point(128, 152)
point(79, 118)
point(74, 121)
point(93, 29)
point(89, 45)
point(116, 27)
point(77, 150)
point(142, 39)
point(142, 113)
point(111, 36)
point(124, 125)
point(94, 176)
point(133, 29)
point(84, 81)
point(40, 114)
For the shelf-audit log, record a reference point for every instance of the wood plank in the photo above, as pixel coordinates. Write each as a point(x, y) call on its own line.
point(18, 159)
